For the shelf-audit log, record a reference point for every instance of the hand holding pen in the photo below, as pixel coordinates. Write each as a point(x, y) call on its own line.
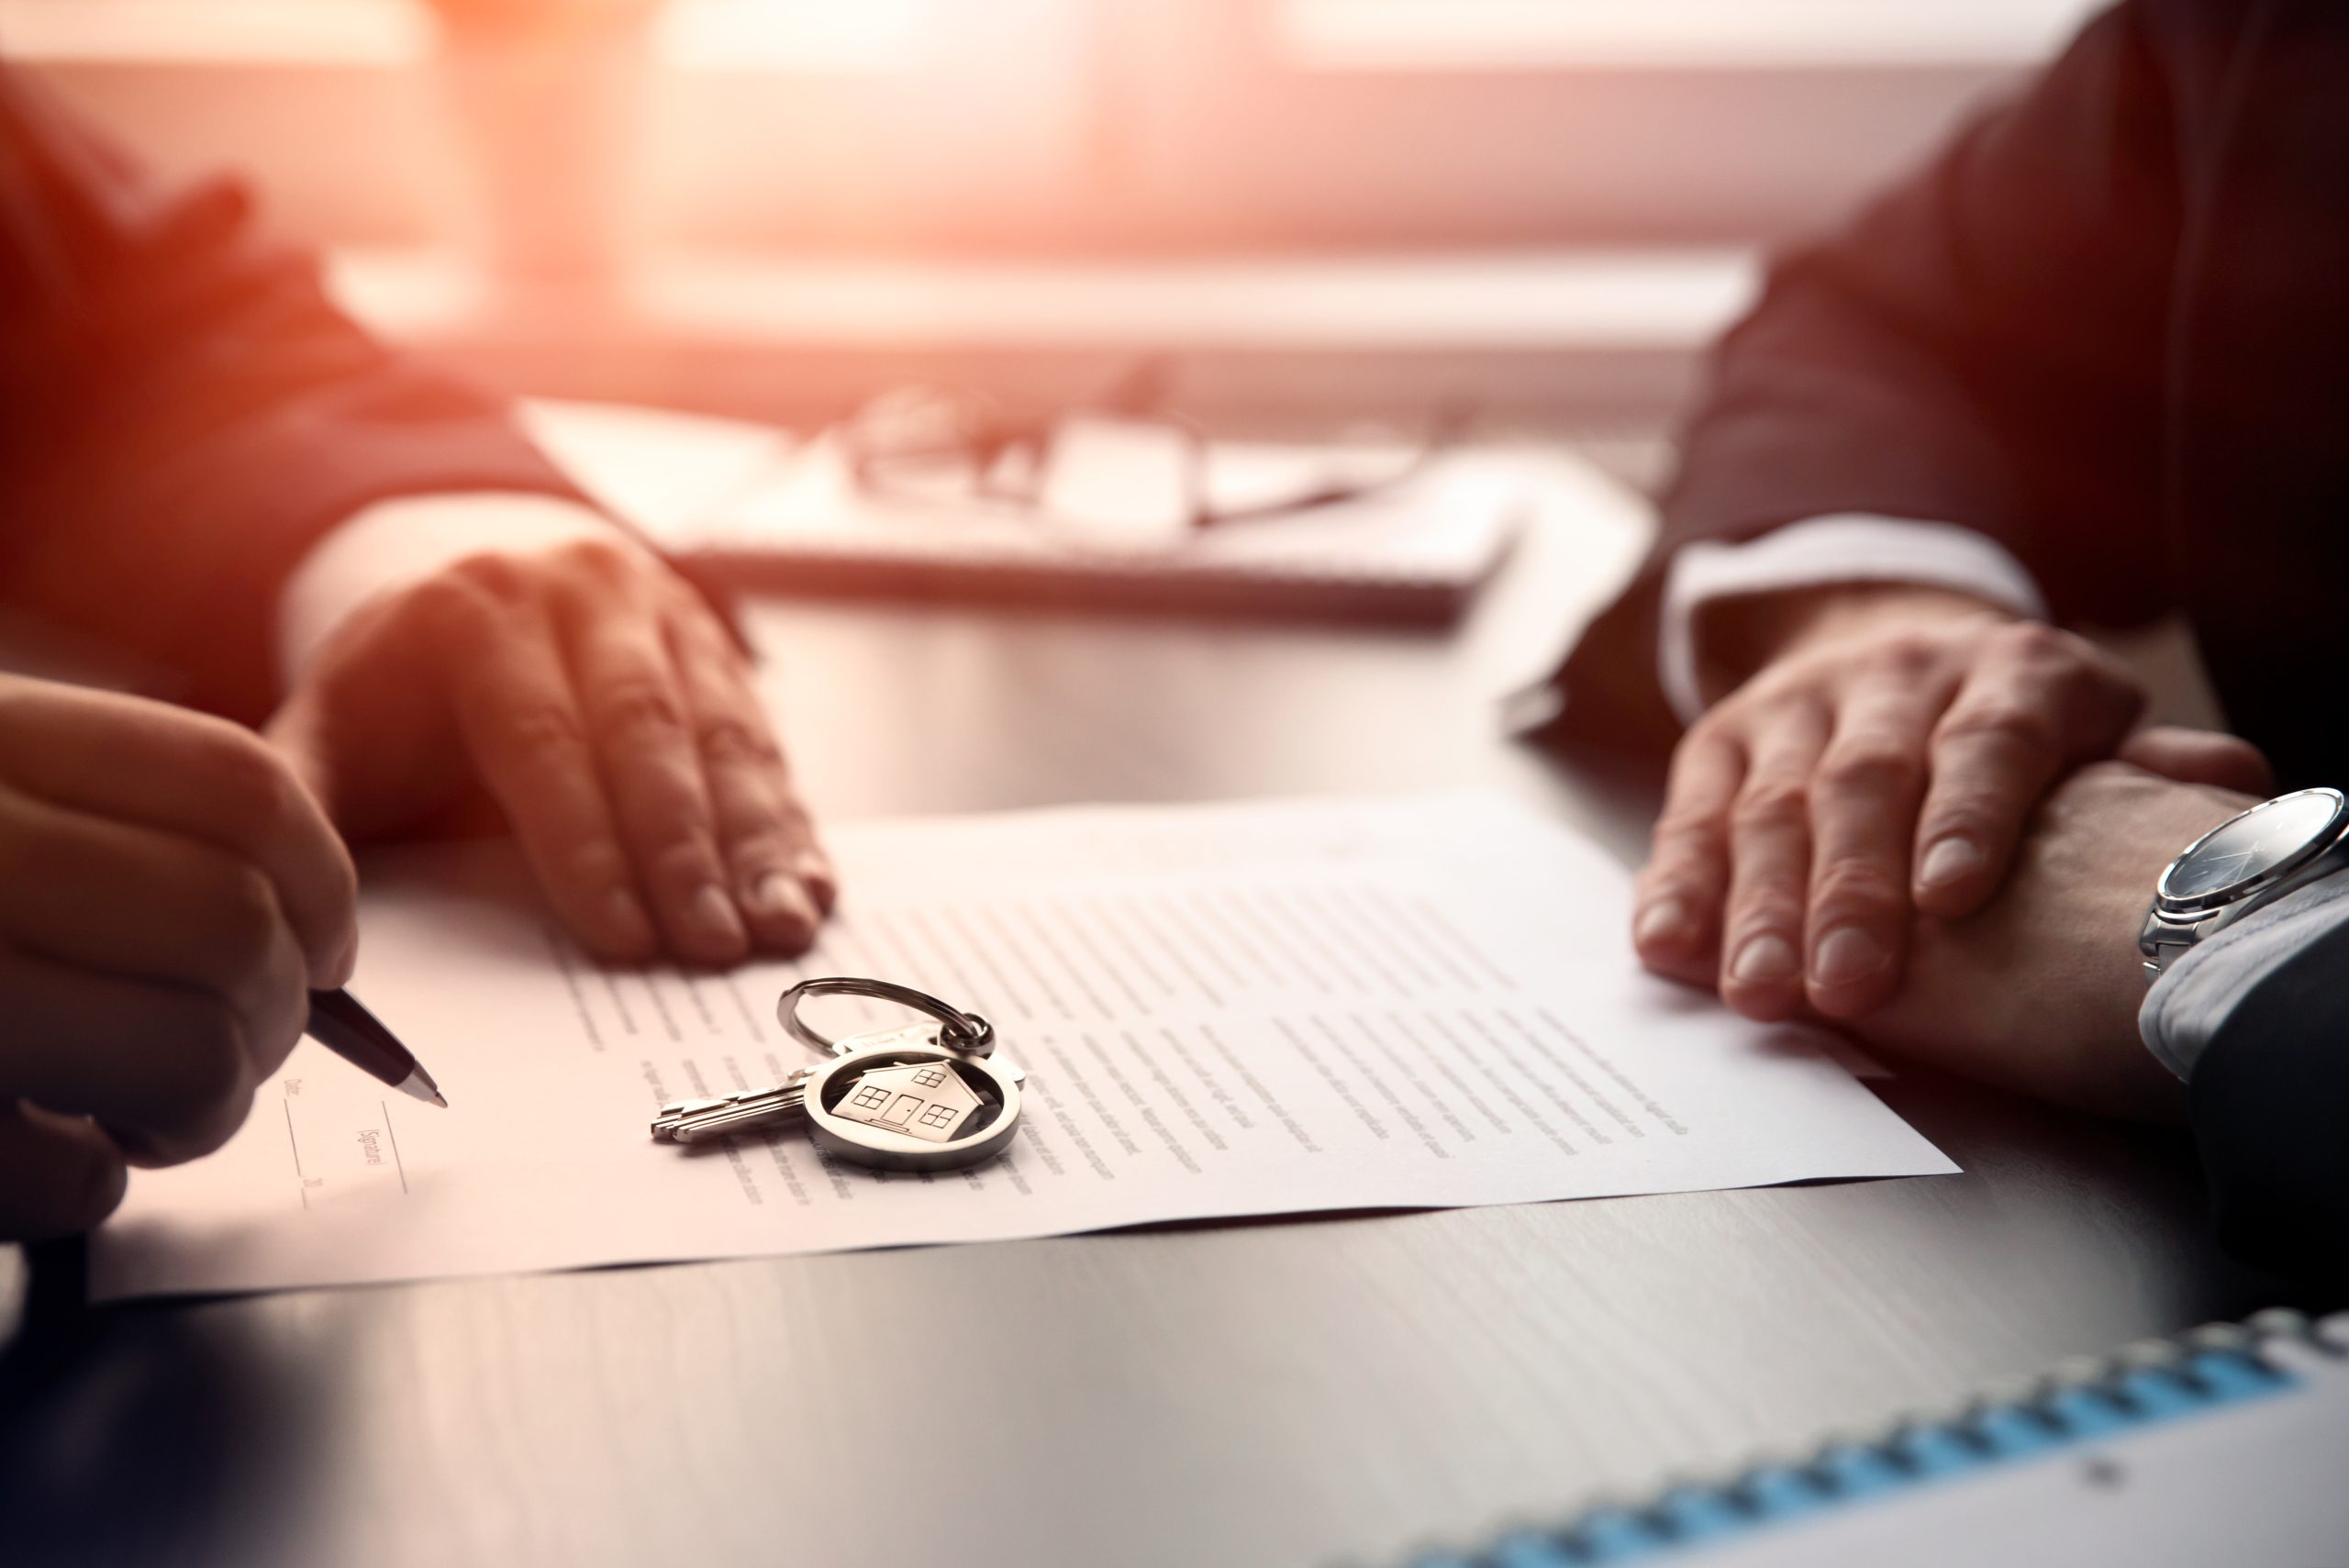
point(172, 896)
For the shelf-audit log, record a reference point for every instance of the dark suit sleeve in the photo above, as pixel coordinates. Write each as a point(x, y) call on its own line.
point(1980, 346)
point(182, 413)
point(2270, 1099)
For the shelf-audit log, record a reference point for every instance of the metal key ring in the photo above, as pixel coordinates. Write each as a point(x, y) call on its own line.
point(959, 1030)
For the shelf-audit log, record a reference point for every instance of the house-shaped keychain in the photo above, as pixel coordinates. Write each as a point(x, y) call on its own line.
point(927, 1099)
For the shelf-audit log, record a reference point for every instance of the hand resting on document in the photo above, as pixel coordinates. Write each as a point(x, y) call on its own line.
point(603, 708)
point(169, 895)
point(2038, 991)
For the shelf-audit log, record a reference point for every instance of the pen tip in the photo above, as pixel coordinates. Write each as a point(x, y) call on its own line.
point(419, 1085)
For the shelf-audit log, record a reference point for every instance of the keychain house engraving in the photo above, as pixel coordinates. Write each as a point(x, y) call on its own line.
point(917, 1097)
point(927, 1099)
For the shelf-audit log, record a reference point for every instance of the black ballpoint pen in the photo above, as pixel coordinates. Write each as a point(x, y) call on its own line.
point(352, 1032)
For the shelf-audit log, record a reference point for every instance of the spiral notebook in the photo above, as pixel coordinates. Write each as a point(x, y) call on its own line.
point(2227, 1445)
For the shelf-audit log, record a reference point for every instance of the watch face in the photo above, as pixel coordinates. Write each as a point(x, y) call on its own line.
point(2263, 840)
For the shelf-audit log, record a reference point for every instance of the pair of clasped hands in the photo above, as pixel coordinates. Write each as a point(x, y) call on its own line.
point(1937, 826)
point(171, 886)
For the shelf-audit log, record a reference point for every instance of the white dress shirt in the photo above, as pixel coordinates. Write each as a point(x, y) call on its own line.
point(1850, 548)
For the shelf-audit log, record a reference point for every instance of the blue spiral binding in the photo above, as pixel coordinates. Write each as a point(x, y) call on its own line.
point(2208, 1369)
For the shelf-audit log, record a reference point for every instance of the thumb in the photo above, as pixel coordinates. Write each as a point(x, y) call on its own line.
point(2200, 756)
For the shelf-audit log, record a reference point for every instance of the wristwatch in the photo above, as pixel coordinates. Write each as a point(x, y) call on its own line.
point(2245, 863)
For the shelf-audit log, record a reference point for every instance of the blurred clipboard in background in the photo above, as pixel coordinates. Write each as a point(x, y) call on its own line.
point(1110, 519)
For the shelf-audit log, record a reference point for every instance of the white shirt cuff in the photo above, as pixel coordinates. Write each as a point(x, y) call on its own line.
point(2194, 996)
point(1819, 552)
point(397, 543)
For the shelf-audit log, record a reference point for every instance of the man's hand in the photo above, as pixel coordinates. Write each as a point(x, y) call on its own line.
point(606, 711)
point(1880, 760)
point(169, 895)
point(2039, 991)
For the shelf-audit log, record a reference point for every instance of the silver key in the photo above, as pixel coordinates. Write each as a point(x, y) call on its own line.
point(897, 1099)
point(694, 1121)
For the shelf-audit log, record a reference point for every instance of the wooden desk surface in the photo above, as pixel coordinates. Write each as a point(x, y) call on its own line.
point(1272, 1393)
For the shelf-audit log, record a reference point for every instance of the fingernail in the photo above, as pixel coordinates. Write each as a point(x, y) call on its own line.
point(1764, 959)
point(1666, 922)
point(781, 899)
point(816, 876)
point(1948, 859)
point(711, 915)
point(1845, 954)
point(631, 928)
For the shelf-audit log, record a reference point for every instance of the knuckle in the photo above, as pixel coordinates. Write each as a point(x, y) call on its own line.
point(1871, 768)
point(1764, 910)
point(697, 626)
point(1981, 814)
point(491, 575)
point(1690, 830)
point(688, 860)
point(762, 848)
point(1703, 731)
point(795, 824)
point(735, 743)
point(465, 619)
point(598, 565)
point(2028, 725)
point(435, 613)
point(436, 601)
point(597, 864)
point(1903, 652)
point(637, 711)
point(2100, 690)
point(2078, 669)
point(1969, 822)
point(544, 731)
point(2036, 642)
point(1849, 884)
point(1771, 802)
point(2111, 675)
point(1718, 725)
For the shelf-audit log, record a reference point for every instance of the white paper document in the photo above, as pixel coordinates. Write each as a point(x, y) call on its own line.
point(1221, 1010)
